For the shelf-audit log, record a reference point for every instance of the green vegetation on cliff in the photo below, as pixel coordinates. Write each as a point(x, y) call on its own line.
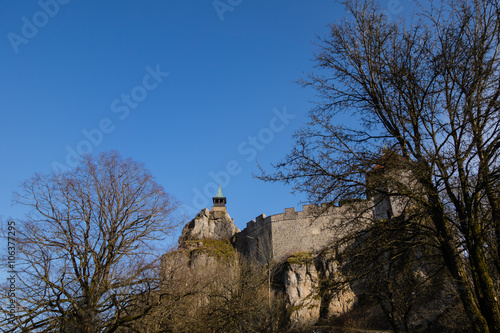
point(300, 258)
point(222, 249)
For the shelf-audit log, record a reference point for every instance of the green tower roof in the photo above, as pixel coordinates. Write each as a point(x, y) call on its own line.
point(219, 193)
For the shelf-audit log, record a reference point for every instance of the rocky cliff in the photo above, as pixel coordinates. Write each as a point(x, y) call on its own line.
point(309, 284)
point(205, 258)
point(206, 263)
point(209, 224)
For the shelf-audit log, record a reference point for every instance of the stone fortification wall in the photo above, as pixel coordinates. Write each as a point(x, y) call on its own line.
point(312, 229)
point(255, 241)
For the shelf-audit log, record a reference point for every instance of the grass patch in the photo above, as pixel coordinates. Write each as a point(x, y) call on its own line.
point(300, 258)
point(222, 249)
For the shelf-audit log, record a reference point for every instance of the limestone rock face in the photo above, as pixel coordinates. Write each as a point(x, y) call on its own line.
point(309, 298)
point(338, 302)
point(300, 280)
point(201, 261)
point(215, 224)
point(194, 278)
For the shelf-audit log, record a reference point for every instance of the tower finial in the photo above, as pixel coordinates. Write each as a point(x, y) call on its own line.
point(219, 192)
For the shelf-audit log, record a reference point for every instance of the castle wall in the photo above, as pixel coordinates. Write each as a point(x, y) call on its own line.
point(255, 241)
point(311, 229)
point(388, 203)
point(315, 227)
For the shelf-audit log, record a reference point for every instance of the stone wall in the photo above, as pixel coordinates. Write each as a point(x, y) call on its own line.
point(278, 236)
point(255, 241)
point(387, 202)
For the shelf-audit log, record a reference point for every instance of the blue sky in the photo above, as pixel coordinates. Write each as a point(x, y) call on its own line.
point(194, 92)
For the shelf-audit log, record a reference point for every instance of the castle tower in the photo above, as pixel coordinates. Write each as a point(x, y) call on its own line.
point(387, 184)
point(219, 201)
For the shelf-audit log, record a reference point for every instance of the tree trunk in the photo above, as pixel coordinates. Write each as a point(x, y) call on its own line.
point(488, 301)
point(457, 271)
point(453, 261)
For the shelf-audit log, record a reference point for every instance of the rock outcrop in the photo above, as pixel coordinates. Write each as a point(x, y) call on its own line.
point(205, 250)
point(300, 279)
point(308, 280)
point(200, 263)
point(215, 224)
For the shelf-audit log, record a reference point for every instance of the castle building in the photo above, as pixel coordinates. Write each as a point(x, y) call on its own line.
point(278, 236)
point(300, 240)
point(316, 227)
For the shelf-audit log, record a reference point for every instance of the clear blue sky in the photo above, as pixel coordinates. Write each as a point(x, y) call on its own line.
point(228, 100)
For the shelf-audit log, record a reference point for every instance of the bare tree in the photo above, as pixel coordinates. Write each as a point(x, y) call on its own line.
point(394, 264)
point(210, 288)
point(428, 89)
point(86, 250)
